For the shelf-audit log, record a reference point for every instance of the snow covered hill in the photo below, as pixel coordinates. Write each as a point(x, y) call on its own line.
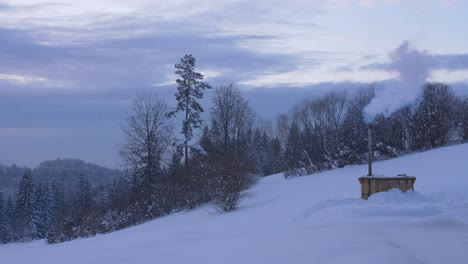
point(312, 219)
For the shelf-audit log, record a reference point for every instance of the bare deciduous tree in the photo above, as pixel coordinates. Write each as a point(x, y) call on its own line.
point(319, 121)
point(232, 119)
point(435, 118)
point(465, 118)
point(282, 128)
point(148, 133)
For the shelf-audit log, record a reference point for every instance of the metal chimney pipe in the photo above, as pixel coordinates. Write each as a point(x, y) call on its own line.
point(370, 154)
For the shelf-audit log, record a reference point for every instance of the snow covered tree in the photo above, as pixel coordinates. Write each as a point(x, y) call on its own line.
point(84, 193)
point(51, 208)
point(295, 155)
point(205, 141)
point(3, 221)
point(25, 211)
point(354, 130)
point(391, 134)
point(261, 142)
point(9, 211)
point(307, 116)
point(54, 211)
point(40, 209)
point(57, 199)
point(190, 89)
point(176, 159)
point(464, 122)
point(228, 180)
point(319, 123)
point(282, 122)
point(267, 153)
point(276, 161)
point(435, 117)
point(332, 110)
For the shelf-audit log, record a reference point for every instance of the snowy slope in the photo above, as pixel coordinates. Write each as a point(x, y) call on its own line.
point(312, 219)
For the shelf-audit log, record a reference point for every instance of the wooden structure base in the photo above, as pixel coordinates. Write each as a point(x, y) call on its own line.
point(375, 184)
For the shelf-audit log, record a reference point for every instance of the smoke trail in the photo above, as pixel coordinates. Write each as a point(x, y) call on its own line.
point(413, 68)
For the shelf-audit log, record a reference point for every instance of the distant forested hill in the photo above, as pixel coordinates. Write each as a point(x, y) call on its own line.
point(69, 170)
point(65, 171)
point(9, 178)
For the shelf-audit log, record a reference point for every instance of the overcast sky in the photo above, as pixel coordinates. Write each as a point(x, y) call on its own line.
point(69, 69)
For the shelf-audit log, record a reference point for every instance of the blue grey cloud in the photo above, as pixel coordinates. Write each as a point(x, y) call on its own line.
point(65, 88)
point(82, 118)
point(451, 62)
point(344, 69)
point(129, 62)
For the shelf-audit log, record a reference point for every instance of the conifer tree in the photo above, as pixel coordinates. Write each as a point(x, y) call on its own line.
point(40, 210)
point(25, 211)
point(58, 197)
point(190, 89)
point(3, 224)
point(276, 161)
point(50, 210)
point(465, 119)
point(205, 141)
point(84, 193)
point(9, 211)
point(176, 159)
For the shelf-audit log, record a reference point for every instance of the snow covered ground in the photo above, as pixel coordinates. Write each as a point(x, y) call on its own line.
point(312, 219)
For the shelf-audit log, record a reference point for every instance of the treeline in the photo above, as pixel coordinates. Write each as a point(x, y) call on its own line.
point(9, 178)
point(67, 170)
point(166, 171)
point(32, 202)
point(163, 172)
point(42, 208)
point(331, 131)
point(64, 170)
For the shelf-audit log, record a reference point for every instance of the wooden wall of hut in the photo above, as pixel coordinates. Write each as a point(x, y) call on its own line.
point(374, 184)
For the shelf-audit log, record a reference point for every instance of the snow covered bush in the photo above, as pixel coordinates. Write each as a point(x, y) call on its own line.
point(228, 182)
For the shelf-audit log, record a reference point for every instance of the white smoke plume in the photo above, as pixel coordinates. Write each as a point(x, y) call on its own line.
point(413, 68)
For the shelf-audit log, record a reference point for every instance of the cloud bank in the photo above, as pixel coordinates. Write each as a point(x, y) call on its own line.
point(68, 69)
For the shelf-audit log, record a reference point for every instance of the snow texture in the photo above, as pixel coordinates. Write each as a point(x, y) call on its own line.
point(311, 219)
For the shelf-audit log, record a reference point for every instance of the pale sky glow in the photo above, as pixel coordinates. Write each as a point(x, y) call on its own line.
point(328, 33)
point(75, 65)
point(21, 79)
point(449, 76)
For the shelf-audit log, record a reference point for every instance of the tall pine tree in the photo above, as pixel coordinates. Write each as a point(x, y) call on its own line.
point(190, 89)
point(25, 211)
